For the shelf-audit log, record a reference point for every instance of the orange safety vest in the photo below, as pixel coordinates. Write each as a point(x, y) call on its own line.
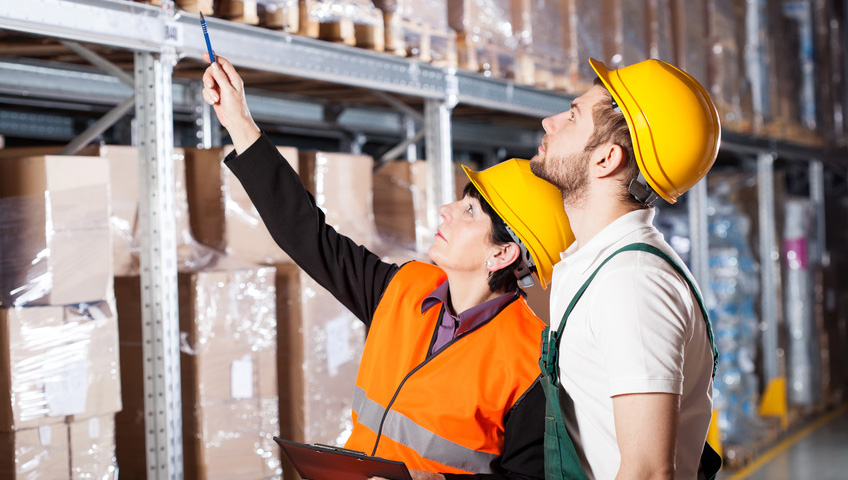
point(445, 414)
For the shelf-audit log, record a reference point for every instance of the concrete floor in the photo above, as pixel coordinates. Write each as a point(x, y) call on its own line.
point(820, 454)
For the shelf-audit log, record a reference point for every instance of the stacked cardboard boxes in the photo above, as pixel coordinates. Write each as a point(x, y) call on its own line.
point(58, 332)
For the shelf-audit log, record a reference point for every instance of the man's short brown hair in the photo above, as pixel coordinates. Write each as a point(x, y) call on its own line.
point(611, 127)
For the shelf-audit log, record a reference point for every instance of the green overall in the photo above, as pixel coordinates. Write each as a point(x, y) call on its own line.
point(561, 460)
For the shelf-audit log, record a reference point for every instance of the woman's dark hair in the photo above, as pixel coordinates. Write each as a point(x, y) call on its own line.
point(503, 279)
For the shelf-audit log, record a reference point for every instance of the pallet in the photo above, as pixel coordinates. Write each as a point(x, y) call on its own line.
point(241, 11)
point(415, 39)
point(737, 457)
point(480, 55)
point(793, 131)
point(196, 6)
point(361, 32)
point(284, 18)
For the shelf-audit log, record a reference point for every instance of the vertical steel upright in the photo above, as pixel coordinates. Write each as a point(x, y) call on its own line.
point(158, 259)
point(699, 253)
point(769, 255)
point(440, 188)
point(816, 174)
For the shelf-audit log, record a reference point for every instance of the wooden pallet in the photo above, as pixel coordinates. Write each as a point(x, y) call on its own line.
point(477, 54)
point(736, 457)
point(241, 11)
point(362, 33)
point(284, 18)
point(415, 39)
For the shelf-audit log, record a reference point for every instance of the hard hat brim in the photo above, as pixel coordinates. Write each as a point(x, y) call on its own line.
point(509, 219)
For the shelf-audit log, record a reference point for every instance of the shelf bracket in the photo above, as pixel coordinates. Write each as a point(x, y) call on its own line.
point(98, 127)
point(113, 115)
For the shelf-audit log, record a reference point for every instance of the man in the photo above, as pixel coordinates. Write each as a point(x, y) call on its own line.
point(634, 344)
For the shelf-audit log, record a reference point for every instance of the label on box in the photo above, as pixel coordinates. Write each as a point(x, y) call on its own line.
point(45, 435)
point(66, 388)
point(94, 428)
point(338, 344)
point(241, 378)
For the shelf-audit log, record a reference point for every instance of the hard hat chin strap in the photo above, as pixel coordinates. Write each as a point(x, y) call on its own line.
point(525, 269)
point(641, 191)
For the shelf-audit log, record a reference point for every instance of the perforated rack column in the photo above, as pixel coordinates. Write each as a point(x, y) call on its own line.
point(158, 258)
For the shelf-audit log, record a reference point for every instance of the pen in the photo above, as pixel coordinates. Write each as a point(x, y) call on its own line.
point(206, 36)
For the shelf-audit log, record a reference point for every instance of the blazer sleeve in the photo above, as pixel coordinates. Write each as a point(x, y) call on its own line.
point(350, 272)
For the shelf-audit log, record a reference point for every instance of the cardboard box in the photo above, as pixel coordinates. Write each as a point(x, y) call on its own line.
point(54, 230)
point(342, 186)
point(35, 453)
point(222, 215)
point(59, 362)
point(92, 446)
point(320, 344)
point(228, 374)
point(124, 205)
point(400, 204)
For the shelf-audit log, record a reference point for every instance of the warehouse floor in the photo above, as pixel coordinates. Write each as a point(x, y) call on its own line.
point(818, 451)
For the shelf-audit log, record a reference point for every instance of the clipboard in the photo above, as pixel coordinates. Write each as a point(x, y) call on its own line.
point(324, 462)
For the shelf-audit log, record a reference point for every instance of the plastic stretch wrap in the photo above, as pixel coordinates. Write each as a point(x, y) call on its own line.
point(221, 214)
point(419, 28)
point(92, 443)
point(803, 370)
point(54, 230)
point(539, 27)
point(228, 374)
point(35, 453)
point(734, 291)
point(62, 361)
point(631, 44)
point(486, 19)
point(660, 30)
point(692, 51)
point(320, 346)
point(243, 11)
point(589, 27)
point(359, 11)
point(280, 14)
point(726, 33)
point(485, 38)
point(400, 207)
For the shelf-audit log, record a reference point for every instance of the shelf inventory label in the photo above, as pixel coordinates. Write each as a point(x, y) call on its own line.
point(173, 34)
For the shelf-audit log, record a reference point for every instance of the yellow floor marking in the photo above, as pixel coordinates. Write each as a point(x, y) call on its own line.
point(785, 444)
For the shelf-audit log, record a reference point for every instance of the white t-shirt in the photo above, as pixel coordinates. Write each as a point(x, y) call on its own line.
point(637, 329)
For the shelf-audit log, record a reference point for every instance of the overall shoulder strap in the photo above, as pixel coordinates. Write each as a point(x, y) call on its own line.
point(644, 247)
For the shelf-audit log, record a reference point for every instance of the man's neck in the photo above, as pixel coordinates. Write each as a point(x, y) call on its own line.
point(590, 217)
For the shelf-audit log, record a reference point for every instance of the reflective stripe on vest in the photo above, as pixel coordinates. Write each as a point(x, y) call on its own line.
point(403, 430)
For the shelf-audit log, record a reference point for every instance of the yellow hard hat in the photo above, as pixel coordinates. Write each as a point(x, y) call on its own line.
point(672, 120)
point(531, 207)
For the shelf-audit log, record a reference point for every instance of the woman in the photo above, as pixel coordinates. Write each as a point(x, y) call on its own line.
point(448, 378)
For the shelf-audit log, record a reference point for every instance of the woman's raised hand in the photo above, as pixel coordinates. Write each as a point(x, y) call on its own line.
point(223, 89)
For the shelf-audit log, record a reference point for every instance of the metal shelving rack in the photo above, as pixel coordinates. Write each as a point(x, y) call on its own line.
point(161, 36)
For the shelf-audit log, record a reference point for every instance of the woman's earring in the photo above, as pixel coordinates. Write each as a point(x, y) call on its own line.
point(489, 263)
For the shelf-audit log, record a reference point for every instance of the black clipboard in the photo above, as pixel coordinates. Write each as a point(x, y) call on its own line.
point(323, 462)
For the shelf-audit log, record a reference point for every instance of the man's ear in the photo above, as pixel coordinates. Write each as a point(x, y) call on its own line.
point(608, 159)
point(503, 256)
